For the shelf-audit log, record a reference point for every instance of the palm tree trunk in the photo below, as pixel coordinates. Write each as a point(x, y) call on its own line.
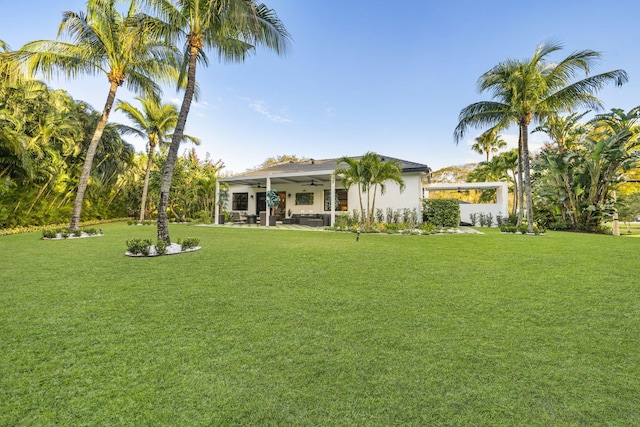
point(369, 208)
point(527, 175)
point(91, 152)
point(362, 212)
point(172, 156)
point(520, 187)
point(373, 203)
point(145, 187)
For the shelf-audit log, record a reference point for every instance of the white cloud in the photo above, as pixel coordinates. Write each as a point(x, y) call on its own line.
point(260, 107)
point(330, 112)
point(194, 104)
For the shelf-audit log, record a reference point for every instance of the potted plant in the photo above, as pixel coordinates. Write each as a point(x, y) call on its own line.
point(223, 198)
point(272, 200)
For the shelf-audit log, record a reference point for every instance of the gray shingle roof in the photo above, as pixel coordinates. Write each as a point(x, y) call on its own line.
point(312, 165)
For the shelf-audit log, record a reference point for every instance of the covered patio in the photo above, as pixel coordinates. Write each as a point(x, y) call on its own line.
point(311, 192)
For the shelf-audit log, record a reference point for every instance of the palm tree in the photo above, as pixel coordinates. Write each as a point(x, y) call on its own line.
point(488, 142)
point(382, 171)
point(154, 122)
point(101, 42)
point(232, 28)
point(368, 173)
point(354, 174)
point(532, 90)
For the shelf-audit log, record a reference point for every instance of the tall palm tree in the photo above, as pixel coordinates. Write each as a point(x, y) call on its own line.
point(232, 28)
point(154, 122)
point(382, 171)
point(354, 174)
point(488, 142)
point(101, 41)
point(369, 173)
point(531, 90)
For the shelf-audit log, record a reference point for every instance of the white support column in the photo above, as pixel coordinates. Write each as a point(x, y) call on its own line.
point(267, 208)
point(502, 198)
point(333, 199)
point(216, 209)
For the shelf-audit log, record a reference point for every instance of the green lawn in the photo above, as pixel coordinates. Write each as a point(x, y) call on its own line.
point(272, 327)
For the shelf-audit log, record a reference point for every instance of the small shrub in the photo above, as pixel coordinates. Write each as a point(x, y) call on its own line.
point(190, 242)
point(522, 229)
point(49, 234)
point(391, 228)
point(64, 233)
point(488, 219)
point(91, 231)
point(355, 216)
point(508, 228)
point(379, 215)
point(77, 233)
point(482, 219)
point(396, 217)
point(139, 246)
point(539, 229)
point(161, 247)
point(427, 228)
point(389, 215)
point(473, 218)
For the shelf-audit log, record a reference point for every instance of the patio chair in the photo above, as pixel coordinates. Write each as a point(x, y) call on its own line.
point(241, 219)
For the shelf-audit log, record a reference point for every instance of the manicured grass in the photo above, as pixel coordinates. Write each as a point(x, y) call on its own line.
point(272, 327)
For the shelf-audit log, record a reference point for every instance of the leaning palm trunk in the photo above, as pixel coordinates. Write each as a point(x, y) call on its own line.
point(145, 187)
point(172, 156)
point(91, 152)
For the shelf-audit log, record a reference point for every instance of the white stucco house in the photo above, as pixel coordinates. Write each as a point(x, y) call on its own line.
point(309, 189)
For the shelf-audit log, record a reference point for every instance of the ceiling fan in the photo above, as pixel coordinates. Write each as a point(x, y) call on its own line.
point(312, 184)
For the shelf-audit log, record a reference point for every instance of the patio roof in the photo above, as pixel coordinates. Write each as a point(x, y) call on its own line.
point(306, 171)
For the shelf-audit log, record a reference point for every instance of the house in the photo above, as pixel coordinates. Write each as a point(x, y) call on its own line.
point(310, 188)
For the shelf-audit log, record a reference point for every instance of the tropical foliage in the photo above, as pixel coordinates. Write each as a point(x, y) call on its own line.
point(531, 90)
point(101, 41)
point(577, 172)
point(44, 135)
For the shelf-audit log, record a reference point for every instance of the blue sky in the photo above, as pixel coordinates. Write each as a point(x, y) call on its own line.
point(389, 77)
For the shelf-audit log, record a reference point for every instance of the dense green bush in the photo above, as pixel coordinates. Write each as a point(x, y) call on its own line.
point(190, 243)
point(161, 247)
point(139, 246)
point(441, 212)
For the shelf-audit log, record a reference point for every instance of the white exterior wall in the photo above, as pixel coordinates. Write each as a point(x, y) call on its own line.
point(466, 209)
point(410, 198)
point(392, 198)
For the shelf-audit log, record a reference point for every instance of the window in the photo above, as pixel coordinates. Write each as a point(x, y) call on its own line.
point(341, 200)
point(240, 202)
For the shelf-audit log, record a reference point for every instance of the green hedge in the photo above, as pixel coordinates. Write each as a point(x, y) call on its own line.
point(441, 212)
